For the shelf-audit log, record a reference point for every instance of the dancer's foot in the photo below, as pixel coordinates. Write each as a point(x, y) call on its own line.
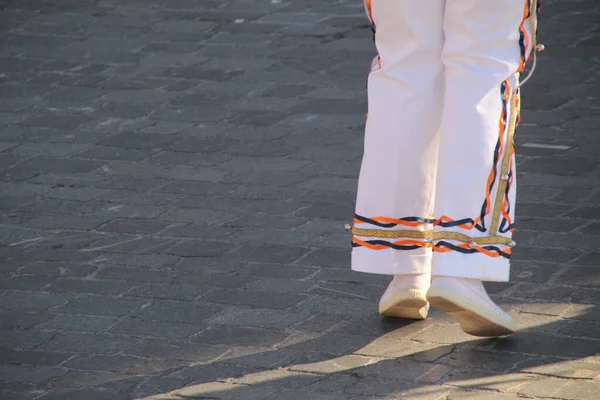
point(468, 303)
point(406, 297)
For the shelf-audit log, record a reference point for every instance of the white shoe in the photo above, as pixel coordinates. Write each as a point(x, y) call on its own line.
point(403, 299)
point(468, 303)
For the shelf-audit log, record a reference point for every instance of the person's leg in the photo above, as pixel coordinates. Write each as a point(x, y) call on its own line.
point(394, 207)
point(486, 46)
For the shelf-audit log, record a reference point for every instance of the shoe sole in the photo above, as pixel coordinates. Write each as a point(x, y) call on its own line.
point(406, 304)
point(474, 320)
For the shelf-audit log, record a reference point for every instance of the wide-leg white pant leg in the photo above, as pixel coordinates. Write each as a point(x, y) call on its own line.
point(394, 208)
point(486, 45)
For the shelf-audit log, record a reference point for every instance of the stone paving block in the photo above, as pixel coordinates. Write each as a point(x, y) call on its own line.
point(581, 276)
point(183, 158)
point(327, 258)
point(32, 358)
point(24, 282)
point(200, 248)
point(587, 329)
point(257, 317)
point(484, 360)
point(592, 259)
point(147, 367)
point(158, 387)
point(131, 244)
point(104, 287)
point(79, 323)
point(115, 153)
point(160, 329)
point(240, 336)
point(329, 344)
point(328, 305)
point(83, 394)
point(210, 373)
point(75, 222)
point(139, 260)
point(199, 216)
point(528, 271)
point(168, 291)
point(35, 303)
point(10, 395)
point(472, 395)
point(279, 285)
point(97, 380)
point(208, 277)
point(102, 306)
point(536, 343)
point(561, 368)
point(133, 226)
point(275, 377)
point(58, 269)
point(264, 299)
point(177, 350)
point(545, 387)
point(86, 342)
point(224, 391)
point(545, 254)
point(555, 309)
point(124, 274)
point(276, 254)
point(277, 271)
point(388, 348)
point(172, 311)
point(266, 220)
point(101, 363)
point(29, 375)
point(348, 290)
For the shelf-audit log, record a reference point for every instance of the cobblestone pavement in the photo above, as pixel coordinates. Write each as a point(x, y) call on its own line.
point(174, 180)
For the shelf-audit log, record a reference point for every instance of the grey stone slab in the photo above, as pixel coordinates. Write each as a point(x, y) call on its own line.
point(257, 317)
point(200, 248)
point(32, 302)
point(240, 336)
point(101, 306)
point(88, 342)
point(133, 226)
point(76, 222)
point(176, 350)
point(168, 291)
point(115, 153)
point(32, 358)
point(159, 329)
point(276, 300)
point(30, 375)
point(103, 287)
point(269, 253)
point(107, 382)
point(27, 339)
point(79, 323)
point(161, 310)
point(20, 320)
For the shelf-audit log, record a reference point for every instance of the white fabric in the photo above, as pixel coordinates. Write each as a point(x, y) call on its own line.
point(433, 127)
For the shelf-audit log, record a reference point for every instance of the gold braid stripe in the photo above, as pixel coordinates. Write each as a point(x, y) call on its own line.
point(504, 169)
point(388, 234)
point(430, 234)
point(510, 142)
point(467, 239)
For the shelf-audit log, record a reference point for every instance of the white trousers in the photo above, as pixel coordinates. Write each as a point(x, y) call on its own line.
point(436, 191)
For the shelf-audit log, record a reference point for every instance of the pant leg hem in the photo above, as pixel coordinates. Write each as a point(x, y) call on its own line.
point(391, 262)
point(472, 266)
